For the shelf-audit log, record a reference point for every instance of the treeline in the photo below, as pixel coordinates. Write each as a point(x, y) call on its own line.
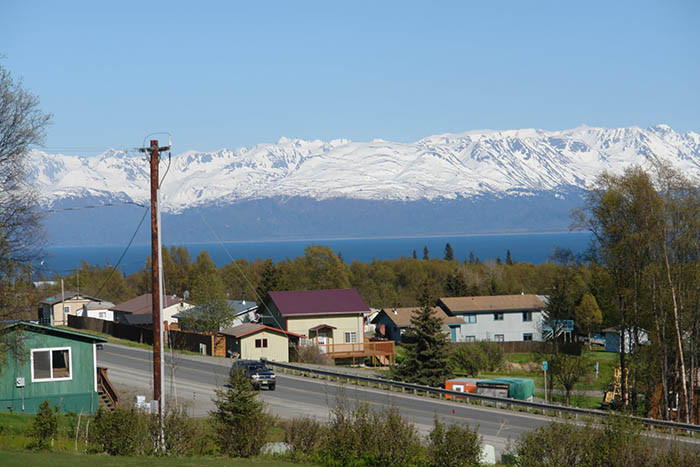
point(382, 283)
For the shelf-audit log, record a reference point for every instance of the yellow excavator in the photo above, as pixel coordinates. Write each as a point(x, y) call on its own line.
point(612, 399)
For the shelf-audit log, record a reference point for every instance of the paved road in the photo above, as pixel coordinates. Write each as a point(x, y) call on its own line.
point(196, 379)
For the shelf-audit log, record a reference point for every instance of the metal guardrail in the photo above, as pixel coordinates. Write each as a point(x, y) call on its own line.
point(480, 398)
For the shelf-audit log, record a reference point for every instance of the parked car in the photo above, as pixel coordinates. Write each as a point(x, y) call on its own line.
point(260, 375)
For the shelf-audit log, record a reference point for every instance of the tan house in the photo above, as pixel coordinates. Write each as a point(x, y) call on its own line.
point(54, 311)
point(139, 310)
point(391, 323)
point(333, 320)
point(252, 341)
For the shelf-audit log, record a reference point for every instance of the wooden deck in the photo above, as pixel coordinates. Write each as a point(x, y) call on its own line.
point(382, 351)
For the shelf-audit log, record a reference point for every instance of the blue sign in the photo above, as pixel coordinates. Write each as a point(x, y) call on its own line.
point(544, 365)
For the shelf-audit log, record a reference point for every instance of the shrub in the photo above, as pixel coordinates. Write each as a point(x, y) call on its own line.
point(312, 354)
point(453, 446)
point(45, 426)
point(180, 432)
point(494, 355)
point(359, 436)
point(240, 422)
point(304, 434)
point(125, 432)
point(469, 357)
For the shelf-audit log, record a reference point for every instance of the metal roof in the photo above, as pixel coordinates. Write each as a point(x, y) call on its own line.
point(319, 302)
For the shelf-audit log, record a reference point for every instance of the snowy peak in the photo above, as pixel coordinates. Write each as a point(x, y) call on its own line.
point(440, 166)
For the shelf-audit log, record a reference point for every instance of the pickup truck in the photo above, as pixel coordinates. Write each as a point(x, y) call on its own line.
point(260, 375)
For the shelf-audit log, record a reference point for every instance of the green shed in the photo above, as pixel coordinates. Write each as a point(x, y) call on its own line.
point(42, 362)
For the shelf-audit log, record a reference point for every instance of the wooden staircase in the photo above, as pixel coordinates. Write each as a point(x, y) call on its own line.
point(108, 397)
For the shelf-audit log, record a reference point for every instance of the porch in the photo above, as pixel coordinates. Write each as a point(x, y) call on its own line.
point(381, 352)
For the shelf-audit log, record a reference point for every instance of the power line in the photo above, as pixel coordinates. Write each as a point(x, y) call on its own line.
point(123, 253)
point(79, 208)
point(240, 271)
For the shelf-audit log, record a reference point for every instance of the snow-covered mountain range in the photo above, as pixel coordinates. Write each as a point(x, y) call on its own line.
point(451, 184)
point(447, 166)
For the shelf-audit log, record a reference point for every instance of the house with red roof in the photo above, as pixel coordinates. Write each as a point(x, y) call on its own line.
point(333, 320)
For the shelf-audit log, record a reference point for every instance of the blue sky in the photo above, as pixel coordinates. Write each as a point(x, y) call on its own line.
point(230, 74)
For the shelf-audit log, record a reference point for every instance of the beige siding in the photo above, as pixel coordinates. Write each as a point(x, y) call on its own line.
point(173, 310)
point(75, 305)
point(342, 323)
point(277, 347)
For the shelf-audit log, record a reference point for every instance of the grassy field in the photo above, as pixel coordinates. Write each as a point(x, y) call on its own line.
point(59, 459)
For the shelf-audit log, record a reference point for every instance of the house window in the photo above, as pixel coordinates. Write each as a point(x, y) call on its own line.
point(102, 314)
point(303, 341)
point(260, 343)
point(498, 316)
point(350, 337)
point(527, 316)
point(469, 338)
point(66, 309)
point(470, 318)
point(527, 336)
point(51, 364)
point(498, 337)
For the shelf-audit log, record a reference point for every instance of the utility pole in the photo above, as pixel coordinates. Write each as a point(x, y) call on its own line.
point(156, 280)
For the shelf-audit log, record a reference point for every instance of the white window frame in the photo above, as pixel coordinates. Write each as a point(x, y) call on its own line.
point(499, 337)
point(51, 349)
point(469, 338)
point(351, 337)
point(470, 318)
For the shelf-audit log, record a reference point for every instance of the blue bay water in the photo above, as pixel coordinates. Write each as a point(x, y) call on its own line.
point(531, 248)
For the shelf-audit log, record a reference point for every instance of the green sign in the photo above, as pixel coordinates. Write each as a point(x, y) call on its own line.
point(544, 365)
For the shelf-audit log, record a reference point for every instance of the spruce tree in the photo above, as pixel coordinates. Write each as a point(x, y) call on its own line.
point(425, 253)
point(509, 260)
point(426, 357)
point(449, 252)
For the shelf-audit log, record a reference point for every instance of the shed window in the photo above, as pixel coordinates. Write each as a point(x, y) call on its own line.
point(260, 343)
point(51, 364)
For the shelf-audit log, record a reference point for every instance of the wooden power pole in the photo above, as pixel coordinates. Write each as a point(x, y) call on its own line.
point(155, 151)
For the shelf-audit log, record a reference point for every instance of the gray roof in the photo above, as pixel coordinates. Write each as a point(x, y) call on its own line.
point(241, 306)
point(67, 295)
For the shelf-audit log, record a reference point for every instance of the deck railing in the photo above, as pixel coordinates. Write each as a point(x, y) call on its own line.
point(367, 348)
point(103, 382)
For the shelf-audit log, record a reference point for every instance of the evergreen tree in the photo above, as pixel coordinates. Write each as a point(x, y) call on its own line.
point(425, 253)
point(426, 357)
point(269, 281)
point(240, 421)
point(449, 252)
point(414, 254)
point(509, 260)
point(456, 286)
point(471, 257)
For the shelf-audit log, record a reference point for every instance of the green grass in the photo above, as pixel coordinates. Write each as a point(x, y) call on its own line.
point(58, 459)
point(110, 339)
point(585, 402)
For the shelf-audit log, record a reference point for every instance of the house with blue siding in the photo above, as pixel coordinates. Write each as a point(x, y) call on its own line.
point(46, 363)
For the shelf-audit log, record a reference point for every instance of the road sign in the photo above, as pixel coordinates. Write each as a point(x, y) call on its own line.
point(544, 365)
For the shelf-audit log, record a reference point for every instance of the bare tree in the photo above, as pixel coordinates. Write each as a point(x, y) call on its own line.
point(22, 124)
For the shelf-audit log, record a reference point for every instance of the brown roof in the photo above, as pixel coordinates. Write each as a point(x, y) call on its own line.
point(458, 305)
point(319, 302)
point(249, 328)
point(402, 317)
point(143, 304)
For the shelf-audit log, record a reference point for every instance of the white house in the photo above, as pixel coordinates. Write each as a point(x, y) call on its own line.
point(497, 318)
point(99, 310)
point(138, 310)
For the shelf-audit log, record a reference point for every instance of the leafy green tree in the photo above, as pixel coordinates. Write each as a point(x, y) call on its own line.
point(449, 252)
point(206, 284)
point(588, 315)
point(426, 357)
point(240, 421)
point(211, 316)
point(568, 370)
